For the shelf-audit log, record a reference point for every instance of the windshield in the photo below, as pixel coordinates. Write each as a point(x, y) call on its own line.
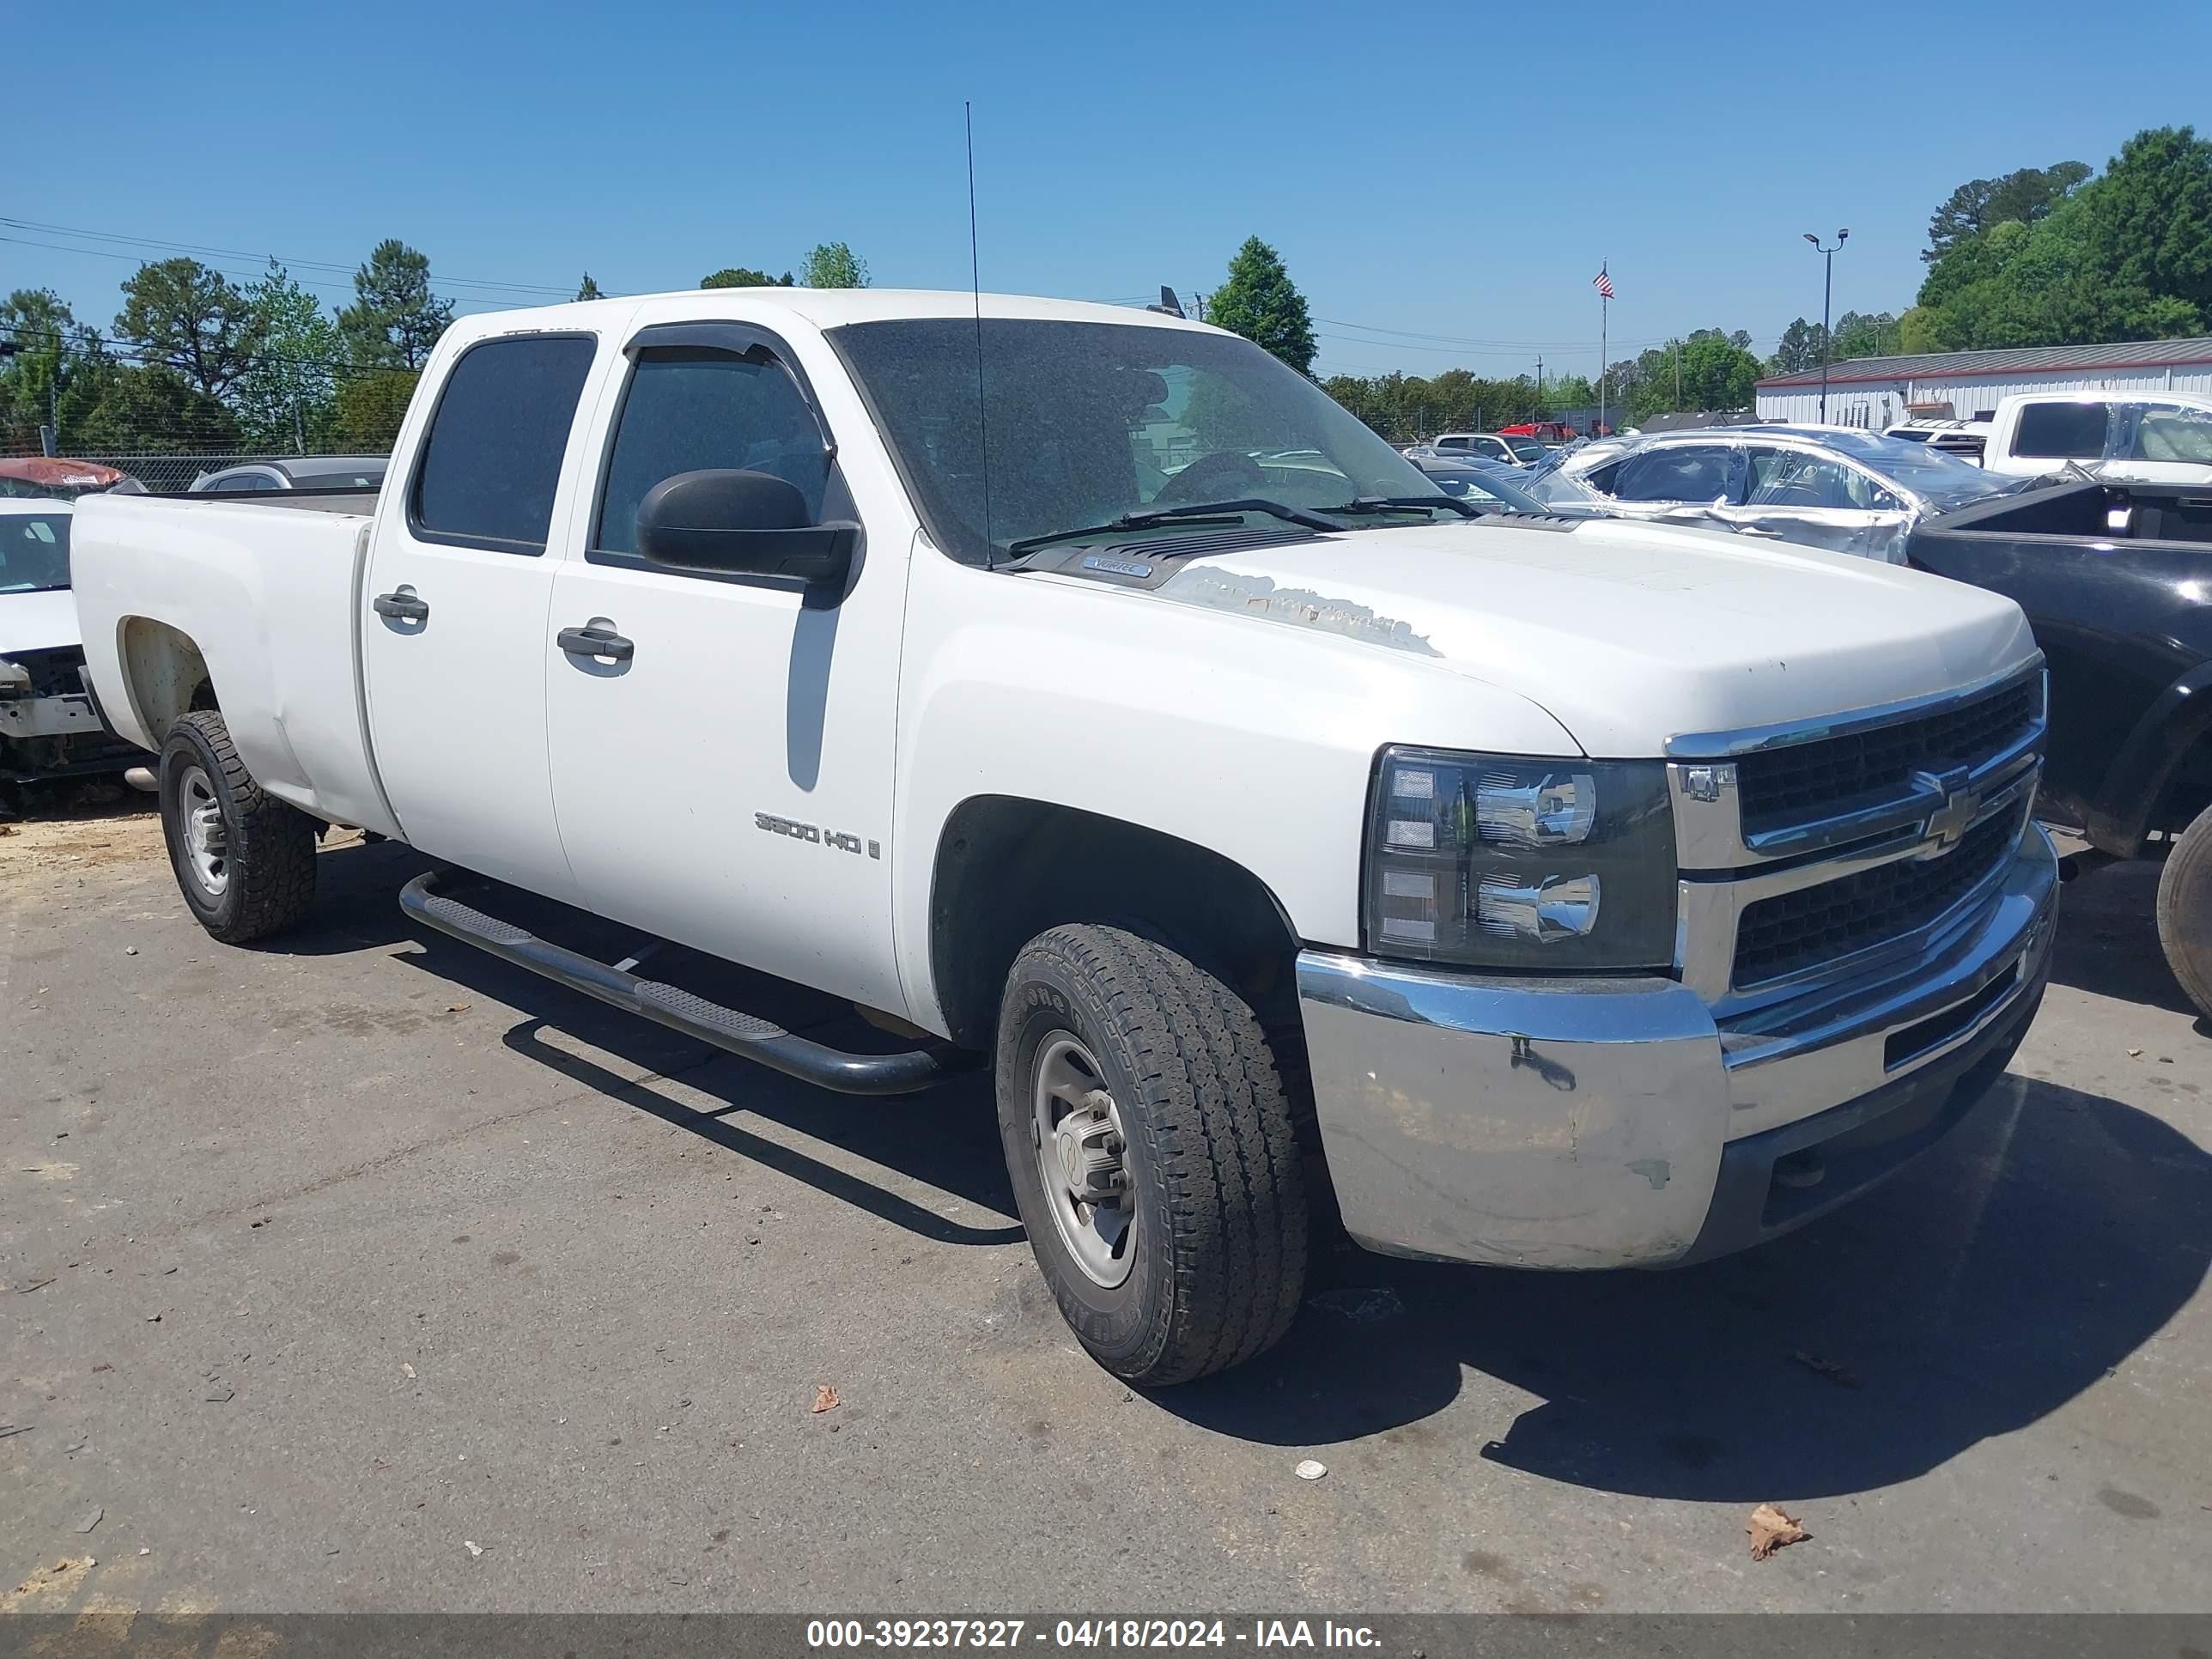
point(1088, 423)
point(2165, 433)
point(33, 551)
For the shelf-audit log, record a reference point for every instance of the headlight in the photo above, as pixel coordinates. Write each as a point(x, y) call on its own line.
point(1527, 864)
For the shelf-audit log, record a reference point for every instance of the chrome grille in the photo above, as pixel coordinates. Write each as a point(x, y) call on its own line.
point(1800, 781)
point(1813, 856)
point(1790, 932)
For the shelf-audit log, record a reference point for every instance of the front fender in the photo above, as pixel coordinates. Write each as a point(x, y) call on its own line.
point(1250, 739)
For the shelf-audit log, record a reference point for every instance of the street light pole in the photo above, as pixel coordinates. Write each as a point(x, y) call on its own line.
point(1827, 296)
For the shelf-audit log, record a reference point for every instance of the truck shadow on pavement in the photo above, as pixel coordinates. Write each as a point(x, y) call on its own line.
point(945, 1139)
point(2108, 938)
point(2017, 1264)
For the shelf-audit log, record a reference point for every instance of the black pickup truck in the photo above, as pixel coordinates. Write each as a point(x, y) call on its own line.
point(2116, 580)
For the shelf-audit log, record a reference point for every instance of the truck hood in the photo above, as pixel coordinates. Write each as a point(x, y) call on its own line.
point(38, 622)
point(1628, 634)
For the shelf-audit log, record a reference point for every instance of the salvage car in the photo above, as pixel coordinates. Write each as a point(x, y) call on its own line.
point(1847, 491)
point(1559, 893)
point(295, 473)
point(50, 728)
point(2117, 579)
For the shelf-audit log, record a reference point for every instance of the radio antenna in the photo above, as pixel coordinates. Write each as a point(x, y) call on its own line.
point(975, 287)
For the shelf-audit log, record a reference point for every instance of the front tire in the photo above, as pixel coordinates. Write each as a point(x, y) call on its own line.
point(2184, 911)
point(245, 860)
point(1154, 1157)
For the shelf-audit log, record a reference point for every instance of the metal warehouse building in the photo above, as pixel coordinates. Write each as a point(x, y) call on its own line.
point(1876, 392)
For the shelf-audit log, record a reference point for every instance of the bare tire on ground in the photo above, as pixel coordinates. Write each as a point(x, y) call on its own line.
point(2184, 911)
point(245, 860)
point(1153, 1153)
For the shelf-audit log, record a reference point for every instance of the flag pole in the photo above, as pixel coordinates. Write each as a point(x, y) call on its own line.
point(1604, 320)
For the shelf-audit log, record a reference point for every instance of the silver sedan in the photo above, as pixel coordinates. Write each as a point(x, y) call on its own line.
point(1835, 488)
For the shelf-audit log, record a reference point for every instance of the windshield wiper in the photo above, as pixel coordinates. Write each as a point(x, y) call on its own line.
point(1222, 511)
point(1406, 504)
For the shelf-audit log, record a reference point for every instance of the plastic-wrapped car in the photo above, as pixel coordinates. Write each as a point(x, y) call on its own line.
point(1844, 490)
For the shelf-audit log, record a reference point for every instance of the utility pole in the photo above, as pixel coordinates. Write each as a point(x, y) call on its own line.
point(1678, 371)
point(1539, 383)
point(1827, 294)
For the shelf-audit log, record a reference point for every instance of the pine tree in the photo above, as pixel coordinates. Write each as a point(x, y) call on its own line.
point(1261, 303)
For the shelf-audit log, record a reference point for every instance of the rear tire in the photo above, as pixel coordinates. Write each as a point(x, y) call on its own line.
point(1125, 1069)
point(2184, 911)
point(245, 861)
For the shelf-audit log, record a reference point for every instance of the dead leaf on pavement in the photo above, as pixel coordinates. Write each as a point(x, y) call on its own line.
point(1771, 1530)
point(457, 1007)
point(825, 1399)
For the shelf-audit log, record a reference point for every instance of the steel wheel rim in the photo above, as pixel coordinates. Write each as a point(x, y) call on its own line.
point(207, 843)
point(1076, 1131)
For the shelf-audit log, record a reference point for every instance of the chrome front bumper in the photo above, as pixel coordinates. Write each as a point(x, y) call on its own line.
point(1605, 1123)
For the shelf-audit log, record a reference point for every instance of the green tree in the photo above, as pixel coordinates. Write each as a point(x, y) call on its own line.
point(1862, 334)
point(588, 289)
point(1799, 349)
point(38, 325)
point(1261, 303)
point(371, 403)
point(1980, 204)
point(288, 395)
point(152, 409)
point(395, 318)
point(2150, 216)
point(195, 320)
point(745, 277)
point(833, 264)
point(1712, 368)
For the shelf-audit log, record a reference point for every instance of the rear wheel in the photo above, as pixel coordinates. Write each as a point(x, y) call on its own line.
point(2184, 911)
point(1153, 1154)
point(245, 860)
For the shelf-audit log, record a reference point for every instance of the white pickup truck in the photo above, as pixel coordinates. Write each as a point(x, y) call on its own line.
point(1565, 893)
point(2159, 437)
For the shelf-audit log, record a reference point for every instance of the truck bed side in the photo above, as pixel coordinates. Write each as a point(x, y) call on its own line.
point(247, 604)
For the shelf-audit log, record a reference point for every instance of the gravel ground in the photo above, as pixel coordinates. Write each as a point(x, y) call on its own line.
point(363, 1272)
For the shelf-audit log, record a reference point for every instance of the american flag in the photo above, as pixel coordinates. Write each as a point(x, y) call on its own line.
point(1603, 284)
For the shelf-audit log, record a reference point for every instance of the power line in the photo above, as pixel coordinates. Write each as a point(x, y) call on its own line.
point(244, 253)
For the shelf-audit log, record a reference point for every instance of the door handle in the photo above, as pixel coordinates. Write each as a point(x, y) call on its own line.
point(594, 642)
point(402, 606)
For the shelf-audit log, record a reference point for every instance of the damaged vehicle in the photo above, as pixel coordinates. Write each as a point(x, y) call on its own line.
point(2116, 578)
point(1086, 696)
point(1827, 487)
point(50, 727)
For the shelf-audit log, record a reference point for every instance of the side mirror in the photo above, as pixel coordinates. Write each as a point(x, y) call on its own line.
point(736, 522)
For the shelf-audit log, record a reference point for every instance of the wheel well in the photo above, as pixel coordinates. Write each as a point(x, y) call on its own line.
point(2188, 790)
point(164, 676)
point(1008, 868)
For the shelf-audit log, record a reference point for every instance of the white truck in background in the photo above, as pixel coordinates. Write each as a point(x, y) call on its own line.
point(2159, 437)
point(1561, 894)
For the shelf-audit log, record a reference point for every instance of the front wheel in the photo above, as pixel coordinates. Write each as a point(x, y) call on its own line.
point(245, 860)
point(2184, 911)
point(1154, 1155)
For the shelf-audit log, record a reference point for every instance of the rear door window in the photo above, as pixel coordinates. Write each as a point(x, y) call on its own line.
point(2062, 432)
point(492, 460)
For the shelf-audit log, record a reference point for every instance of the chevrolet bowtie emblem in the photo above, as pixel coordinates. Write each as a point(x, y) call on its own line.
point(1959, 806)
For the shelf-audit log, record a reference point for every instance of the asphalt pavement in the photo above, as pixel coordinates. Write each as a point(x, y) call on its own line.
point(363, 1272)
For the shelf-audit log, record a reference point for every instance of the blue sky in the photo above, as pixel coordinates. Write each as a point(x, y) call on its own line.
point(1439, 179)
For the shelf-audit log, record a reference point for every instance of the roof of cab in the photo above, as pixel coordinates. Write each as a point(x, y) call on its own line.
point(823, 308)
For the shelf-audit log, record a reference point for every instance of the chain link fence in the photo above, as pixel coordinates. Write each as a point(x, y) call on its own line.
point(169, 472)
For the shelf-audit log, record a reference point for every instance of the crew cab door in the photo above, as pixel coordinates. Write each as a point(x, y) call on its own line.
point(454, 633)
point(723, 744)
